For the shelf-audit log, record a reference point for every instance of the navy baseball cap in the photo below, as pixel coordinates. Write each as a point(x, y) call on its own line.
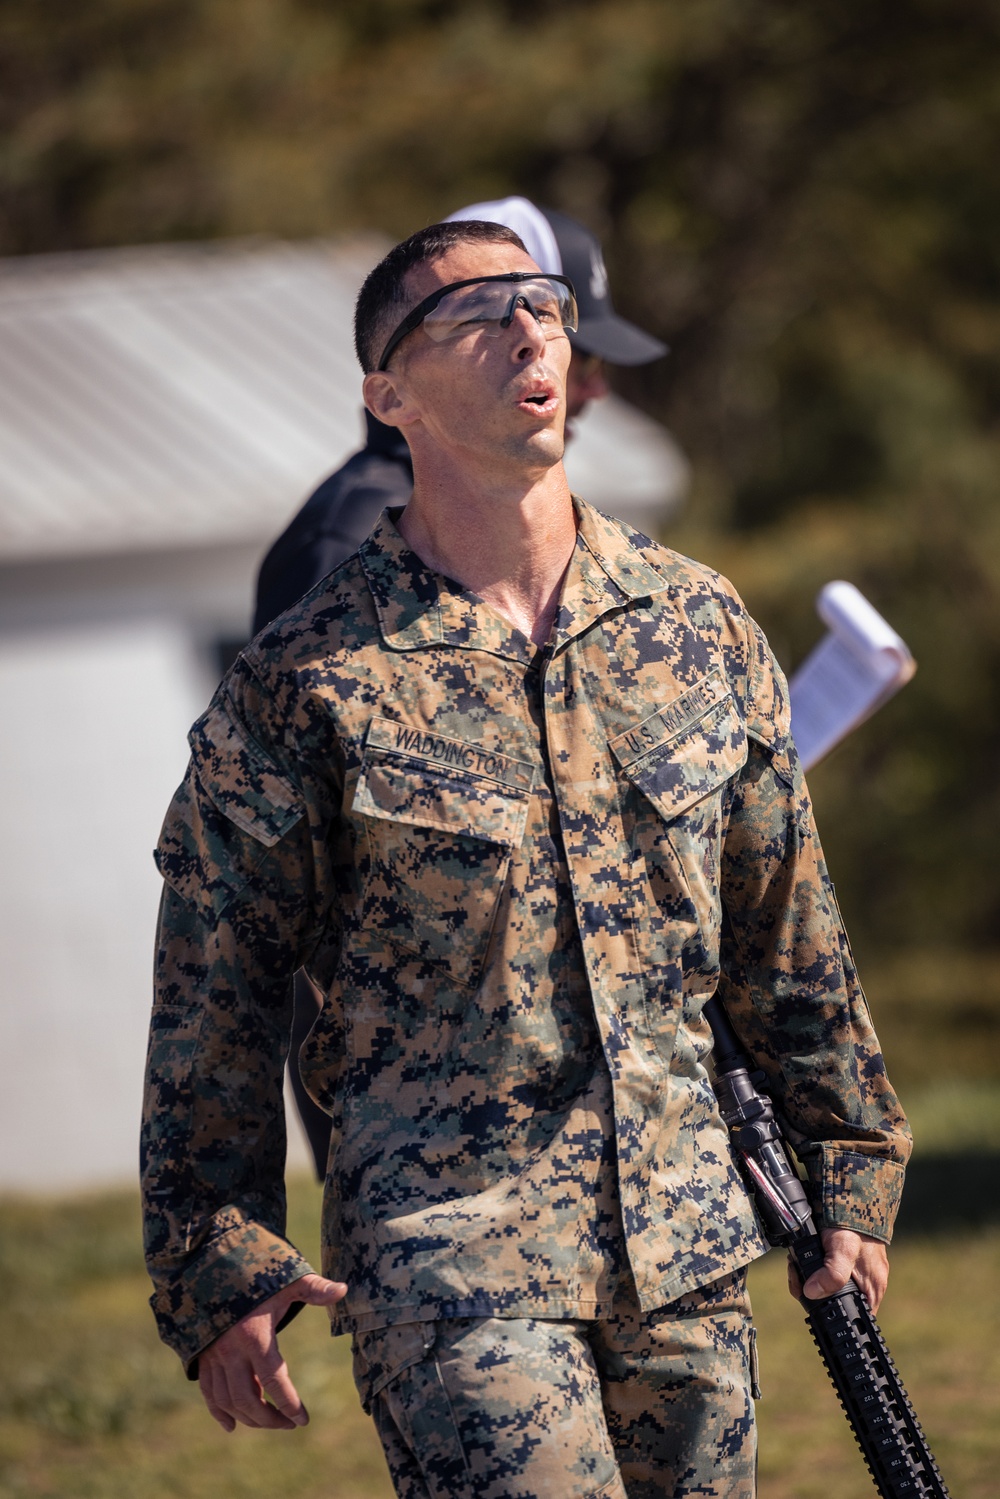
point(561, 246)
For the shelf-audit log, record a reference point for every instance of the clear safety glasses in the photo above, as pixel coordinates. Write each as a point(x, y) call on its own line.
point(487, 305)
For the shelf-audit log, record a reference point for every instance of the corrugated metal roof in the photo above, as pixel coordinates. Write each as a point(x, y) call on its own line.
point(175, 395)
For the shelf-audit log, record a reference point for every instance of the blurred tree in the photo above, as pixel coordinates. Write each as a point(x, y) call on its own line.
point(800, 199)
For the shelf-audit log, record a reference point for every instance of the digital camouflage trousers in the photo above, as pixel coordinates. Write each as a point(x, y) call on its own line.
point(629, 1407)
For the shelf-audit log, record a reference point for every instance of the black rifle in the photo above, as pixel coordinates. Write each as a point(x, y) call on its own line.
point(846, 1333)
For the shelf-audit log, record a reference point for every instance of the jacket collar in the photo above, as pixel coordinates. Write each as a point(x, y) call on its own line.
point(607, 570)
point(417, 607)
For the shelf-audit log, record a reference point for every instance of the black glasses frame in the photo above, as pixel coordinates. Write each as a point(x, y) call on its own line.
point(415, 318)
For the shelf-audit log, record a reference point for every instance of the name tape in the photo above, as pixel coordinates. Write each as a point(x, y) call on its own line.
point(660, 727)
point(438, 749)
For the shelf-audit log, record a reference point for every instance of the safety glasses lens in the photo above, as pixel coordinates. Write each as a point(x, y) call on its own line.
point(489, 307)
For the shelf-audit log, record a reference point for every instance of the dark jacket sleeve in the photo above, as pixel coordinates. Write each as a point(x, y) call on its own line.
point(333, 522)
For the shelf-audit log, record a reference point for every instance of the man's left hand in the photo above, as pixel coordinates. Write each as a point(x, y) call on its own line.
point(846, 1255)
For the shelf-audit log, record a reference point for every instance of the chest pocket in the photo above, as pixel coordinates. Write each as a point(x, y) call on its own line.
point(679, 760)
point(689, 763)
point(442, 819)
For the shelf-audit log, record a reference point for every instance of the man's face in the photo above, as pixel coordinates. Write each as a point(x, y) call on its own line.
point(497, 399)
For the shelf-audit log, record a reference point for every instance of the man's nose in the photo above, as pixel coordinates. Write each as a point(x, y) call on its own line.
point(530, 335)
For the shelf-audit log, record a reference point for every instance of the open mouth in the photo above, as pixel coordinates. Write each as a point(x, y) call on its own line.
point(542, 398)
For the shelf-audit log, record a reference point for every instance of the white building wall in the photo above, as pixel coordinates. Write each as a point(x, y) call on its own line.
point(92, 745)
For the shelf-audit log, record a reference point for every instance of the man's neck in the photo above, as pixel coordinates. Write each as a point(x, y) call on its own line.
point(509, 541)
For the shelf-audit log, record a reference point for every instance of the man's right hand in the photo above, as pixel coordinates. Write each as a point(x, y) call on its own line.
point(846, 1255)
point(243, 1376)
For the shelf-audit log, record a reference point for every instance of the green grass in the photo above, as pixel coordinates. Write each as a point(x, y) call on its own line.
point(940, 1320)
point(93, 1407)
point(951, 1117)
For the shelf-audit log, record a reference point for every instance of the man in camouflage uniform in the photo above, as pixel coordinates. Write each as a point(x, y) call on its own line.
point(515, 785)
point(338, 515)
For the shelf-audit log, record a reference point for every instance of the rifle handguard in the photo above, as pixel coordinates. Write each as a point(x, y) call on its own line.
point(851, 1346)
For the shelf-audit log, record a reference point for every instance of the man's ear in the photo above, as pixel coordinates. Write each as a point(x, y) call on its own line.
point(386, 399)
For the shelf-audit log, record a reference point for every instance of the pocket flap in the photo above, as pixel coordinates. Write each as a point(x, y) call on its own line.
point(381, 1356)
point(687, 762)
point(433, 782)
point(243, 783)
point(232, 807)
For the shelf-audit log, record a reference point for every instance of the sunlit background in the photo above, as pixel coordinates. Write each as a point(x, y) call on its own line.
point(802, 201)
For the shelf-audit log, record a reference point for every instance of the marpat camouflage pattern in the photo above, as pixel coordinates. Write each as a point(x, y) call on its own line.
point(634, 1407)
point(517, 875)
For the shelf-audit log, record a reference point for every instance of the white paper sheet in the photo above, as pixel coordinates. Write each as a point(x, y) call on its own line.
point(855, 668)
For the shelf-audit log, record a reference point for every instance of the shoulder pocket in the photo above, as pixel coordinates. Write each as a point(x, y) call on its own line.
point(242, 781)
point(686, 750)
point(442, 819)
point(233, 806)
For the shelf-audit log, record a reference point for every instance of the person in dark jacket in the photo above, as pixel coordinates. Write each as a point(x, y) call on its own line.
point(334, 520)
point(341, 512)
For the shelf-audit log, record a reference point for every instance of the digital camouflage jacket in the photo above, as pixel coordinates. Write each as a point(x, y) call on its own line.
point(517, 875)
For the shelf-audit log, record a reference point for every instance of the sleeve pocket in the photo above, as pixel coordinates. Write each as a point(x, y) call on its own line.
point(234, 806)
point(241, 780)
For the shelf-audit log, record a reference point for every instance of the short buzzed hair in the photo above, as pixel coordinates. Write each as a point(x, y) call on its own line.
point(382, 301)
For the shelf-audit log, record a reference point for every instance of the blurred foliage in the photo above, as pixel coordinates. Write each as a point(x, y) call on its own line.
point(800, 199)
point(93, 1407)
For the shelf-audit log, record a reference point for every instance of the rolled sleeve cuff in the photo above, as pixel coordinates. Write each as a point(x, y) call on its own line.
point(856, 1191)
point(233, 1274)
